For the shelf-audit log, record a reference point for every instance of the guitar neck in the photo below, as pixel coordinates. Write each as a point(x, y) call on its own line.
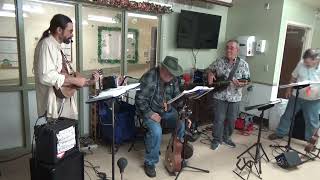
point(218, 83)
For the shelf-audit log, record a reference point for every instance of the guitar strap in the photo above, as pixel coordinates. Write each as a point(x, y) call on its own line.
point(66, 64)
point(233, 71)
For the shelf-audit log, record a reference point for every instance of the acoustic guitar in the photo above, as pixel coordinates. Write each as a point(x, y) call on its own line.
point(176, 150)
point(173, 155)
point(313, 142)
point(219, 84)
point(69, 90)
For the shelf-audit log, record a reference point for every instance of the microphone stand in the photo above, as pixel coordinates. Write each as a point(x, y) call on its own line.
point(113, 99)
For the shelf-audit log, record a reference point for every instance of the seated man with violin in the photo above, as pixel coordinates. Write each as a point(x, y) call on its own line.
point(226, 100)
point(53, 72)
point(308, 100)
point(157, 87)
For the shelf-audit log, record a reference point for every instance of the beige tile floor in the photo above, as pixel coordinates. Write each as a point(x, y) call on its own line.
point(220, 163)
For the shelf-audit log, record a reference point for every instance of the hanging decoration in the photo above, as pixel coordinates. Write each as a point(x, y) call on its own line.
point(134, 6)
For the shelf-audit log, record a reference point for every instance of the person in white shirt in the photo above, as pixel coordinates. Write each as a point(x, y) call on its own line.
point(52, 71)
point(309, 98)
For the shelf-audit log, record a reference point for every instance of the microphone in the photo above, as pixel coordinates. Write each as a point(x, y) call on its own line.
point(122, 163)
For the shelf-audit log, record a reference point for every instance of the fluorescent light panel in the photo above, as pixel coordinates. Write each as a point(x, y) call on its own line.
point(104, 19)
point(84, 22)
point(142, 16)
point(27, 8)
point(54, 3)
point(10, 14)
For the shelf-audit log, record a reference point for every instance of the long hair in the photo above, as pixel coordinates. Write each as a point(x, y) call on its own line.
point(58, 20)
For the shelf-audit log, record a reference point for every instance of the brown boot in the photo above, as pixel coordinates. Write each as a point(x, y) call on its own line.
point(274, 136)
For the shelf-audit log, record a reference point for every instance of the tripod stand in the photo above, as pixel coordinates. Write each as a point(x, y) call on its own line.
point(257, 157)
point(112, 94)
point(288, 146)
point(185, 114)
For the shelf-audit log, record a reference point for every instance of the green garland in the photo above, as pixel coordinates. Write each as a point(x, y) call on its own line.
point(132, 6)
point(117, 61)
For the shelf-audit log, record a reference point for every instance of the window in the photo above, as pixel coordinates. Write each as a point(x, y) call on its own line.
point(101, 40)
point(141, 43)
point(37, 20)
point(9, 58)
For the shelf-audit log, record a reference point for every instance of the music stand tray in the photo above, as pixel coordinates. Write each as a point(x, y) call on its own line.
point(111, 95)
point(256, 159)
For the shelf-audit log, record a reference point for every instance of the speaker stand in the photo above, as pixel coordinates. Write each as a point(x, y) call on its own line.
point(256, 162)
point(256, 159)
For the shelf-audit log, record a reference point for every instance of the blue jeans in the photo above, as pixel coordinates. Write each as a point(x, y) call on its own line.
point(154, 134)
point(310, 110)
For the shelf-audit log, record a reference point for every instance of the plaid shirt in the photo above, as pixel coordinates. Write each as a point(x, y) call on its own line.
point(222, 68)
point(152, 94)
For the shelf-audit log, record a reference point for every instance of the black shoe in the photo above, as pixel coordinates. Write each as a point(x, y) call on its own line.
point(229, 143)
point(215, 145)
point(150, 170)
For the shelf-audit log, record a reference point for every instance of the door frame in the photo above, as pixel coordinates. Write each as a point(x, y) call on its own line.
point(308, 36)
point(306, 44)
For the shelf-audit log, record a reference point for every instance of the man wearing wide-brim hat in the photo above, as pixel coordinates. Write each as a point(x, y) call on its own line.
point(157, 87)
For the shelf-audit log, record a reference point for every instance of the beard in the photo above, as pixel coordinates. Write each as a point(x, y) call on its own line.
point(67, 41)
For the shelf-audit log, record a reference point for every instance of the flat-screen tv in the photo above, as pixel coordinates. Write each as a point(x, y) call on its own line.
point(198, 30)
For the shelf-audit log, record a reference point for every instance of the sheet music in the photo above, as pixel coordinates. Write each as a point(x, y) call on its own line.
point(114, 92)
point(298, 84)
point(248, 108)
point(197, 88)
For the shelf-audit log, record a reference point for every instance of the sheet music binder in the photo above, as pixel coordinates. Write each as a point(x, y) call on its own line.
point(113, 92)
point(302, 83)
point(195, 89)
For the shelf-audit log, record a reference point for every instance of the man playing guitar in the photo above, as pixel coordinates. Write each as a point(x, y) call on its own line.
point(226, 102)
point(53, 72)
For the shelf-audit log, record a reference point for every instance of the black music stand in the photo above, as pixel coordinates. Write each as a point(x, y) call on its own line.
point(112, 98)
point(298, 87)
point(188, 112)
point(257, 157)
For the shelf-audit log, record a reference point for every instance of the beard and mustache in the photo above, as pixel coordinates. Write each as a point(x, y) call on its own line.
point(67, 40)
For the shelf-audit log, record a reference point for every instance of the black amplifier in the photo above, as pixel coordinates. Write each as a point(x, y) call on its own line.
point(70, 168)
point(56, 140)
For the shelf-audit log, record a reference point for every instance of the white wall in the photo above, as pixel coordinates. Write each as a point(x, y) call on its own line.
point(260, 94)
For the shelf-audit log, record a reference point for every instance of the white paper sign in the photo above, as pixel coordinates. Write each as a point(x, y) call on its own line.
point(66, 140)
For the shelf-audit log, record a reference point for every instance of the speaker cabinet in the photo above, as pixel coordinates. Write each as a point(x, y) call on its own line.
point(56, 140)
point(288, 159)
point(70, 168)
